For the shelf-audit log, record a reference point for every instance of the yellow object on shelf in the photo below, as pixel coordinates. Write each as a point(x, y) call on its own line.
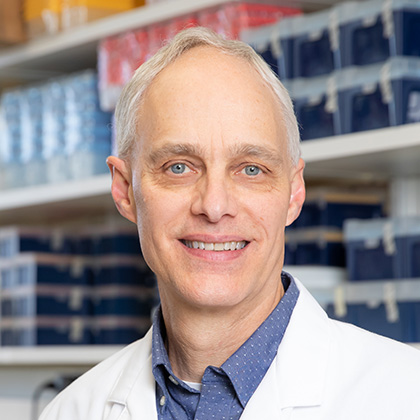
point(50, 16)
point(42, 17)
point(78, 12)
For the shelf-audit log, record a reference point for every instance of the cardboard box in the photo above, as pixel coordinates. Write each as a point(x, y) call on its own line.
point(12, 29)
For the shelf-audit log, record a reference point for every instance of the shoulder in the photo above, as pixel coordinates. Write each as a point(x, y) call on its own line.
point(87, 397)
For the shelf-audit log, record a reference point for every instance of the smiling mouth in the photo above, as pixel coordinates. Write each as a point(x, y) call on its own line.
point(215, 246)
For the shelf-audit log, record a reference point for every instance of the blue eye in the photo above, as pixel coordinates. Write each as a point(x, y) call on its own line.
point(179, 168)
point(252, 170)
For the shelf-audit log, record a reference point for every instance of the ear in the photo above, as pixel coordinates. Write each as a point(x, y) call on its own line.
point(121, 188)
point(297, 195)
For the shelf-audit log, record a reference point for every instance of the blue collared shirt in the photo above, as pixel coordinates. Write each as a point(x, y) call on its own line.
point(225, 391)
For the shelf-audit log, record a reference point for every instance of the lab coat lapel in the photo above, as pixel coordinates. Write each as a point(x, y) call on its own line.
point(297, 376)
point(134, 391)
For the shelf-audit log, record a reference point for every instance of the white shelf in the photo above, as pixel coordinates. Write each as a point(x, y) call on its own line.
point(369, 155)
point(55, 355)
point(57, 201)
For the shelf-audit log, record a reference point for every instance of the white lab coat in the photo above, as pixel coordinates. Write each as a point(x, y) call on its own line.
point(324, 370)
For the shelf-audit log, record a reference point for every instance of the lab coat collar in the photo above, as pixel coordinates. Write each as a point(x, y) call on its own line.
point(135, 388)
point(296, 377)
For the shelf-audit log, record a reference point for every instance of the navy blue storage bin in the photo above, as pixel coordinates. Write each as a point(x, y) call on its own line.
point(14, 240)
point(316, 247)
point(364, 34)
point(289, 252)
point(411, 247)
point(375, 249)
point(379, 96)
point(314, 107)
point(312, 45)
point(121, 269)
point(332, 208)
point(45, 331)
point(406, 14)
point(119, 330)
point(378, 30)
point(416, 310)
point(42, 301)
point(275, 44)
point(108, 239)
point(124, 300)
point(375, 319)
point(26, 270)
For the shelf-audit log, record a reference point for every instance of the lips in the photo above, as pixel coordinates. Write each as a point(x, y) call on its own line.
point(215, 246)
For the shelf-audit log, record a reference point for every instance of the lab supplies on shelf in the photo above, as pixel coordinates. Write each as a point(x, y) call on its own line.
point(53, 131)
point(345, 35)
point(119, 56)
point(53, 280)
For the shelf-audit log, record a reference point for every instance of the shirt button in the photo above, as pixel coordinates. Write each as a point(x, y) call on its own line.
point(162, 401)
point(173, 380)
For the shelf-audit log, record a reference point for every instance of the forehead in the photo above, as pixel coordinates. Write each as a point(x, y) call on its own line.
point(207, 95)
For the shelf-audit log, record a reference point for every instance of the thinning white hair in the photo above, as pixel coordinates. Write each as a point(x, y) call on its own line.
point(128, 106)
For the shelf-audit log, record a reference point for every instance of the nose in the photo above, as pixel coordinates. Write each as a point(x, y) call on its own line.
point(214, 198)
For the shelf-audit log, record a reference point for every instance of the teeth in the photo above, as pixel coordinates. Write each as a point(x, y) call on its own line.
point(216, 246)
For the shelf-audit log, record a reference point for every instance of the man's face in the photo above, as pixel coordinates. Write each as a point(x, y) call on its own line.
point(212, 184)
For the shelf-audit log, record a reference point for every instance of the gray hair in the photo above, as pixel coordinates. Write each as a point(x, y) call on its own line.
point(127, 110)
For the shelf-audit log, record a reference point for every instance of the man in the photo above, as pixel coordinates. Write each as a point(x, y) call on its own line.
point(209, 170)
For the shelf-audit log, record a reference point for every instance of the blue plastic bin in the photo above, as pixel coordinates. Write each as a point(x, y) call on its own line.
point(315, 247)
point(119, 330)
point(28, 331)
point(378, 30)
point(312, 45)
point(329, 207)
point(120, 300)
point(275, 44)
point(379, 96)
point(375, 249)
point(314, 107)
point(122, 269)
point(18, 239)
point(375, 319)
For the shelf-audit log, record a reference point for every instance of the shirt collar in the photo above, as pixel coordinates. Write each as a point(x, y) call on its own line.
point(248, 365)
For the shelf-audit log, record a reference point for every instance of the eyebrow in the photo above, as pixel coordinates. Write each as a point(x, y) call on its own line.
point(248, 149)
point(177, 150)
point(261, 152)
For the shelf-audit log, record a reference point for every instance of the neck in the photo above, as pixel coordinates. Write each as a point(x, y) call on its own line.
point(197, 337)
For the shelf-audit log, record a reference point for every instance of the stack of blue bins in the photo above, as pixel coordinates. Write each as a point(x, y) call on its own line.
point(316, 237)
point(124, 292)
point(45, 295)
point(384, 250)
point(351, 68)
point(61, 287)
